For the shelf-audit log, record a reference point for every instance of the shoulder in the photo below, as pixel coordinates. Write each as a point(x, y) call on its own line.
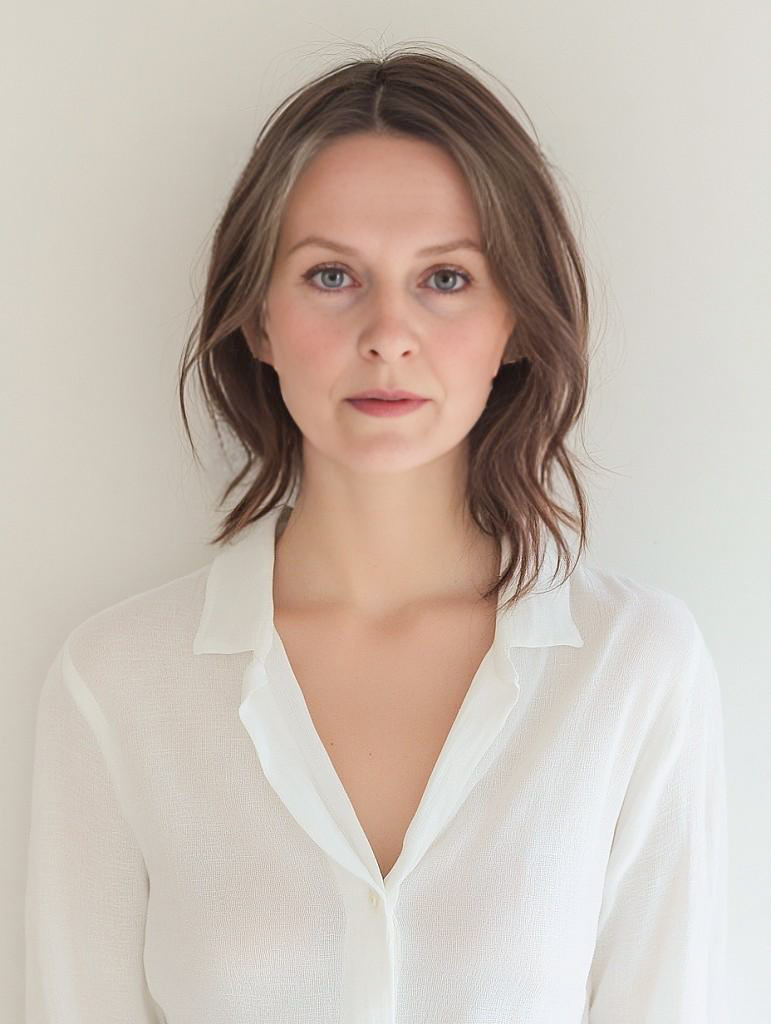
point(151, 628)
point(627, 606)
point(639, 630)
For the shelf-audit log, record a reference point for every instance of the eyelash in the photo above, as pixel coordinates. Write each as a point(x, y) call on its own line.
point(310, 274)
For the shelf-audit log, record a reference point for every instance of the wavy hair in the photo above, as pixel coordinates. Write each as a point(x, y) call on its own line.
point(539, 392)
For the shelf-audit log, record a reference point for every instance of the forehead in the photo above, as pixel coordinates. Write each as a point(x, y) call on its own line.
point(369, 190)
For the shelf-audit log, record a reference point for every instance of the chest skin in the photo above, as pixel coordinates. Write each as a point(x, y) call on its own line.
point(382, 698)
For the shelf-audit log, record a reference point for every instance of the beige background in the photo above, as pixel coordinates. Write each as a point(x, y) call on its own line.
point(124, 127)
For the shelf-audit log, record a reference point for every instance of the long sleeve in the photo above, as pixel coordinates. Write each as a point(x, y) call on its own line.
point(660, 950)
point(87, 886)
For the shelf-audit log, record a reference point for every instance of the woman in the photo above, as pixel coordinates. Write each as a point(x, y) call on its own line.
point(375, 762)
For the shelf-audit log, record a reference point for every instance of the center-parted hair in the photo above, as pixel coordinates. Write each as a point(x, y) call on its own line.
point(518, 443)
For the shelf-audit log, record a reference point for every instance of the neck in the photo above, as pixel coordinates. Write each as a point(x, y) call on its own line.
point(381, 558)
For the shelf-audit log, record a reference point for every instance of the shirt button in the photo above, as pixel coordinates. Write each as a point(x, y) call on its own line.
point(374, 899)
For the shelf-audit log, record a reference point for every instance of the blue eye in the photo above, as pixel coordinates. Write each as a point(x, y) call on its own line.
point(326, 269)
point(453, 273)
point(335, 268)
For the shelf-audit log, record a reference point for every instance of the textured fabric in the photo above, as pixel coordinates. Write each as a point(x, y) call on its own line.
point(194, 857)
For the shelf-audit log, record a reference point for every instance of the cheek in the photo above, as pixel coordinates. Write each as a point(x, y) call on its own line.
point(470, 363)
point(303, 345)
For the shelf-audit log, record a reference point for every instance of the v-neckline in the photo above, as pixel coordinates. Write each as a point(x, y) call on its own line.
point(480, 718)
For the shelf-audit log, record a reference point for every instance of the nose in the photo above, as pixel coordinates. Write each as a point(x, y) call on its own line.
point(389, 347)
point(387, 331)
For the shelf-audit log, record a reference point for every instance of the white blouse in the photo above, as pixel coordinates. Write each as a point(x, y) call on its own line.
point(194, 858)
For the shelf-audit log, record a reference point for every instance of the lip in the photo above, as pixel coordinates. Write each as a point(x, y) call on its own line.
point(386, 395)
point(379, 407)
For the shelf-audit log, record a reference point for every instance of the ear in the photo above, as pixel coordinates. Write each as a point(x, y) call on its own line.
point(509, 355)
point(258, 342)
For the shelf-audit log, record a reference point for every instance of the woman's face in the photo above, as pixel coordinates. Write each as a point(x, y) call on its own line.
point(383, 314)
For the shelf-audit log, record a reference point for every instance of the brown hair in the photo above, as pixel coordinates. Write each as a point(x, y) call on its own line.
point(540, 389)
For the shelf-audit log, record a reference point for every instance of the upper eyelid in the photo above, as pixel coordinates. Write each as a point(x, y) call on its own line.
point(308, 274)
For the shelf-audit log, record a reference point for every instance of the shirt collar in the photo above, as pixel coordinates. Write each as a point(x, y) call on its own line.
point(238, 605)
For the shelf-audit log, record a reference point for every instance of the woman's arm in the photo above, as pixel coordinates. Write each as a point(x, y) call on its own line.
point(87, 886)
point(660, 951)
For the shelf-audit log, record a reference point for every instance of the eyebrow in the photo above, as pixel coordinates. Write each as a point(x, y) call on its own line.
point(431, 250)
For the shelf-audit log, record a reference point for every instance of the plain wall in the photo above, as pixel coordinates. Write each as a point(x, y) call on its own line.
point(124, 128)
